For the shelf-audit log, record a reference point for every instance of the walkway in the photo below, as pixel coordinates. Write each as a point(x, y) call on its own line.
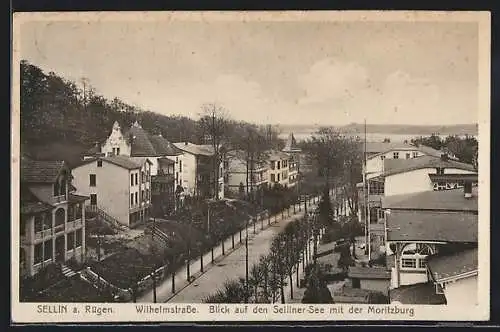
point(227, 267)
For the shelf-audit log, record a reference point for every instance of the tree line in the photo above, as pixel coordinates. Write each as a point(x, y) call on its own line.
point(54, 109)
point(464, 148)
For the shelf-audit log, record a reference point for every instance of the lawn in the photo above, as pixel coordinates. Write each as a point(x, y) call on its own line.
point(48, 276)
point(74, 290)
point(125, 268)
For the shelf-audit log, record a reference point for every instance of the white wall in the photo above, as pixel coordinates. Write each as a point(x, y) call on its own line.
point(462, 293)
point(188, 172)
point(414, 181)
point(112, 188)
point(116, 140)
point(410, 278)
point(376, 164)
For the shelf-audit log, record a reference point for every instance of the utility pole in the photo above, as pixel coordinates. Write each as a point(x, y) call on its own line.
point(246, 263)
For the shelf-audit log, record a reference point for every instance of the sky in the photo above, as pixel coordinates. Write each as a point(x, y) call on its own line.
point(315, 72)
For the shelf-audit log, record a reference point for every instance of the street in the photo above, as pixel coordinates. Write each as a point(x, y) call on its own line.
point(226, 268)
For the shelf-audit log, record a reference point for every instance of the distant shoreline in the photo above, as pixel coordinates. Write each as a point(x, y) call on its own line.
point(412, 130)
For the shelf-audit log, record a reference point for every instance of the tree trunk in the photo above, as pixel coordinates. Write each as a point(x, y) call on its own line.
point(291, 284)
point(282, 291)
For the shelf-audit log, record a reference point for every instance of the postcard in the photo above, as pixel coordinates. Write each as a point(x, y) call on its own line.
point(250, 166)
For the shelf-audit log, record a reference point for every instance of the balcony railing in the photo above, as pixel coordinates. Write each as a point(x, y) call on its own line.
point(41, 235)
point(59, 228)
point(60, 198)
point(74, 224)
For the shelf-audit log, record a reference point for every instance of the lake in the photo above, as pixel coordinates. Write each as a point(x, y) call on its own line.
point(370, 137)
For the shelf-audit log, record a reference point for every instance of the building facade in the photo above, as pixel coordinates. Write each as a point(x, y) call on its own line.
point(52, 218)
point(119, 186)
point(243, 175)
point(198, 173)
point(279, 170)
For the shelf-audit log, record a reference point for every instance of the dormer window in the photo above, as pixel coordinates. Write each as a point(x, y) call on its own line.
point(439, 170)
point(395, 155)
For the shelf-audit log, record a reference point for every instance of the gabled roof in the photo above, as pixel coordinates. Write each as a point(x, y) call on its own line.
point(396, 166)
point(422, 293)
point(141, 146)
point(37, 171)
point(195, 149)
point(453, 265)
point(448, 200)
point(439, 226)
point(122, 161)
point(368, 272)
point(163, 147)
point(74, 198)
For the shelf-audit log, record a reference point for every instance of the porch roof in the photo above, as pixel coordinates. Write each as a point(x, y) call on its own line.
point(450, 266)
point(422, 293)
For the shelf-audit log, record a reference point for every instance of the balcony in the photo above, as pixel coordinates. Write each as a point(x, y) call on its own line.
point(74, 224)
point(59, 228)
point(42, 235)
point(60, 198)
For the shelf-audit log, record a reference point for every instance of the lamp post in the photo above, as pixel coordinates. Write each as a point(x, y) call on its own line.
point(246, 262)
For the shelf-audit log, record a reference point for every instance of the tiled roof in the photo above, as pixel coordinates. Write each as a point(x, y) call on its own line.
point(368, 272)
point(422, 293)
point(396, 166)
point(453, 177)
point(37, 171)
point(166, 160)
point(449, 266)
point(122, 161)
point(451, 200)
point(29, 203)
point(163, 147)
point(94, 150)
point(195, 149)
point(141, 146)
point(277, 155)
point(419, 225)
point(74, 198)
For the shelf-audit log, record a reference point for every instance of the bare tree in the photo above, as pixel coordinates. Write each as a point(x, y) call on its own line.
point(215, 126)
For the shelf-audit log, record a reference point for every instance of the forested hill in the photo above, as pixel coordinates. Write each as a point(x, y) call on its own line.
point(57, 117)
point(60, 120)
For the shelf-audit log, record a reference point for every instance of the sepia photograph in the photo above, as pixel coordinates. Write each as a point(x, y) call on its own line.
point(232, 166)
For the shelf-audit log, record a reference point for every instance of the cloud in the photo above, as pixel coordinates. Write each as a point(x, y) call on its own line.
point(332, 80)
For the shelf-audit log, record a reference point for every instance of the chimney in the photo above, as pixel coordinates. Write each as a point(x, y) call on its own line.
point(468, 189)
point(186, 143)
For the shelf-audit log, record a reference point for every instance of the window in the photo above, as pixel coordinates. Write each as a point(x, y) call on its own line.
point(147, 194)
point(93, 199)
point(117, 151)
point(99, 163)
point(278, 177)
point(79, 238)
point(376, 187)
point(408, 263)
point(70, 241)
point(143, 177)
point(382, 157)
point(92, 180)
point(136, 178)
point(38, 223)
point(180, 166)
point(395, 155)
point(131, 199)
point(131, 179)
point(415, 154)
point(136, 198)
point(414, 256)
point(39, 253)
point(142, 196)
point(407, 156)
point(439, 170)
point(278, 165)
point(273, 178)
point(381, 214)
point(273, 165)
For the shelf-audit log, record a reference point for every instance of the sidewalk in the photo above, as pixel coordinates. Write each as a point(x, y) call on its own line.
point(226, 267)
